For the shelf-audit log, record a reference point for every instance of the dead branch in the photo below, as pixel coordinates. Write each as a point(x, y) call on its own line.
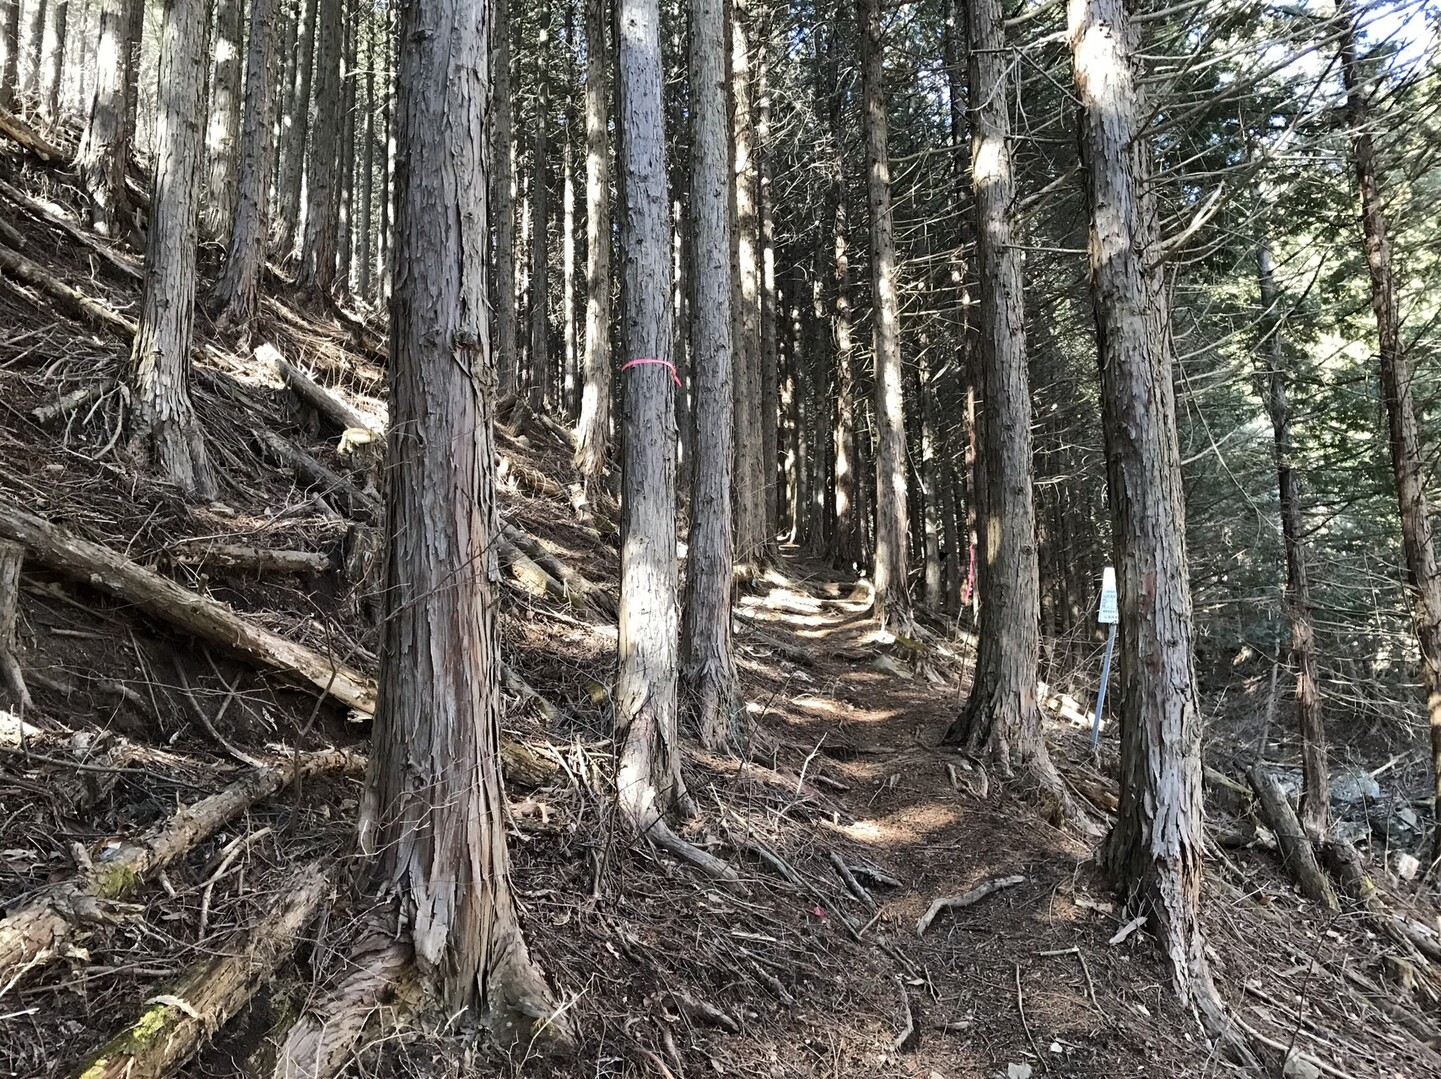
point(960, 902)
point(32, 934)
point(848, 878)
point(175, 1024)
point(71, 402)
point(1298, 856)
point(28, 139)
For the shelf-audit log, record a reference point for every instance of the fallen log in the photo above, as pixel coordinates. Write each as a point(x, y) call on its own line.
point(40, 212)
point(253, 559)
point(26, 137)
point(98, 566)
point(1298, 855)
point(574, 581)
point(33, 933)
point(176, 1023)
point(11, 235)
point(71, 402)
point(69, 300)
point(311, 393)
point(11, 557)
point(361, 503)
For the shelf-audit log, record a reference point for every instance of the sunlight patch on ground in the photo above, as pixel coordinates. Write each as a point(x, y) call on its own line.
point(905, 826)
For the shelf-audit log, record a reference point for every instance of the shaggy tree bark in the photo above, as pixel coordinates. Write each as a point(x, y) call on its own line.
point(710, 672)
point(890, 562)
point(10, 66)
point(1154, 851)
point(294, 126)
point(1316, 796)
point(322, 166)
point(592, 432)
point(507, 340)
point(105, 143)
point(235, 295)
point(540, 223)
point(1002, 719)
point(162, 424)
point(52, 62)
point(221, 162)
point(1424, 576)
point(434, 815)
point(752, 543)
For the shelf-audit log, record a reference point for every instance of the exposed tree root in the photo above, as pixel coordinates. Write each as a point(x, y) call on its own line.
point(33, 933)
point(176, 1023)
point(381, 973)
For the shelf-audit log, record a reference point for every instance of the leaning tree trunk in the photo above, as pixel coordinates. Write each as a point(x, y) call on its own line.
point(1315, 798)
point(322, 164)
point(507, 340)
point(890, 562)
point(648, 779)
point(710, 672)
point(1396, 377)
point(751, 477)
point(1154, 851)
point(434, 815)
point(224, 123)
point(592, 432)
point(540, 224)
point(236, 293)
point(1002, 718)
point(105, 143)
point(162, 423)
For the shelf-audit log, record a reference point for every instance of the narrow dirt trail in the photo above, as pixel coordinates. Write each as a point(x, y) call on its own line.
point(1024, 976)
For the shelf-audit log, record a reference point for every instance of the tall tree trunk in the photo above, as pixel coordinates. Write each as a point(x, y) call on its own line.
point(711, 682)
point(592, 431)
point(567, 252)
point(345, 159)
point(221, 157)
point(367, 169)
point(1424, 576)
point(294, 130)
point(35, 51)
point(434, 817)
point(540, 380)
point(1002, 719)
point(134, 39)
point(648, 779)
point(771, 312)
point(162, 423)
point(1154, 851)
point(322, 188)
point(236, 293)
point(753, 474)
point(105, 143)
point(1315, 797)
point(890, 561)
point(53, 62)
point(507, 331)
point(10, 67)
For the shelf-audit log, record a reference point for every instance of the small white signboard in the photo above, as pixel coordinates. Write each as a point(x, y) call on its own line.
point(1108, 615)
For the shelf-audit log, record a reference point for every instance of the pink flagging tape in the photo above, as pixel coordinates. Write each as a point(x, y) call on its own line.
point(651, 359)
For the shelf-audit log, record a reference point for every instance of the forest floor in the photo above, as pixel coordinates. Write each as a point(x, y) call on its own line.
point(665, 973)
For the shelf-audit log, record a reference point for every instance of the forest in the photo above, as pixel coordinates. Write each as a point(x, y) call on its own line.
point(657, 538)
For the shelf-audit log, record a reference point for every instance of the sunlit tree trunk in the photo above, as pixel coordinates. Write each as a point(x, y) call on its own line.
point(316, 274)
point(220, 150)
point(507, 332)
point(1424, 576)
point(364, 252)
point(434, 817)
point(35, 50)
point(52, 63)
point(539, 359)
point(105, 143)
point(295, 127)
point(711, 682)
point(236, 293)
point(162, 423)
point(593, 430)
point(890, 558)
point(1154, 851)
point(771, 312)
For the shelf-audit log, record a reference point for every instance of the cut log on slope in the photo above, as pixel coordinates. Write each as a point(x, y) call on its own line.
point(26, 137)
point(32, 934)
point(98, 566)
point(45, 215)
point(314, 395)
point(1298, 855)
point(11, 235)
point(251, 559)
point(575, 582)
point(70, 301)
point(360, 503)
point(179, 1021)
